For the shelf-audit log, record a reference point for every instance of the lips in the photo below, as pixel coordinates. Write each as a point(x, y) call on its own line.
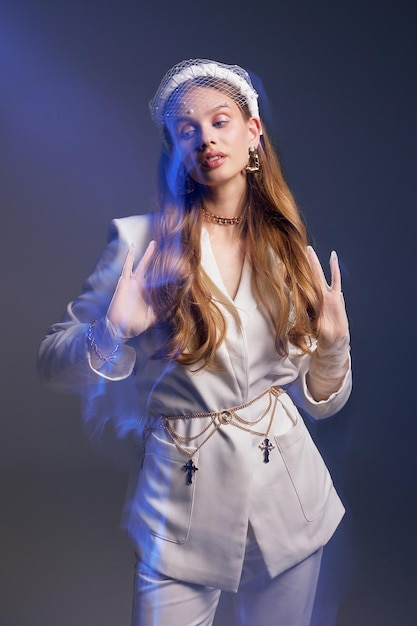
point(213, 160)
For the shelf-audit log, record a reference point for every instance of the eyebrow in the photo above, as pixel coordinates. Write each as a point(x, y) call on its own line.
point(185, 117)
point(220, 106)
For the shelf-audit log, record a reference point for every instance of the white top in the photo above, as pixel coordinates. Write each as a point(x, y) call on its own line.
point(249, 365)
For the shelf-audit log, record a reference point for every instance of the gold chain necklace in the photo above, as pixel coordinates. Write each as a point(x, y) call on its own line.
point(218, 219)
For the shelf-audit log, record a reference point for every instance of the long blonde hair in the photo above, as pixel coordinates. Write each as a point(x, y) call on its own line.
point(275, 243)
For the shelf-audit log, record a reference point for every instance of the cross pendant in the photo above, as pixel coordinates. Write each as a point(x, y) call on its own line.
point(190, 468)
point(266, 447)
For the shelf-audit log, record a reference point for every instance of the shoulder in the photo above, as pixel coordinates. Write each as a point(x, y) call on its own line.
point(135, 229)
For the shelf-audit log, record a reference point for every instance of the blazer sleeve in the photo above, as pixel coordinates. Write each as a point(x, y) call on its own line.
point(63, 357)
point(301, 396)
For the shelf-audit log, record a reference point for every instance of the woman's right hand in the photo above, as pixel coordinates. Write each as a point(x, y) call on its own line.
point(128, 312)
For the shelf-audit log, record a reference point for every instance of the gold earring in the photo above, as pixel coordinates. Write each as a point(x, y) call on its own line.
point(189, 185)
point(253, 165)
point(185, 184)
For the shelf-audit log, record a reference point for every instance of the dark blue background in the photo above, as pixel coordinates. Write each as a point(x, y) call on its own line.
point(77, 148)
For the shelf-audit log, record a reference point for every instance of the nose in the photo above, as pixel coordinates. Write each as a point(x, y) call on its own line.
point(206, 138)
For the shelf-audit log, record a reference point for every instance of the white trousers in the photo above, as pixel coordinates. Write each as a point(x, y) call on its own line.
point(286, 600)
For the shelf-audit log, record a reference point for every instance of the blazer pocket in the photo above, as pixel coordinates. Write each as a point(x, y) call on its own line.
point(166, 500)
point(306, 470)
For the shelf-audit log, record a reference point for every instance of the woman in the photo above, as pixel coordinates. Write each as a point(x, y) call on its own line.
point(215, 316)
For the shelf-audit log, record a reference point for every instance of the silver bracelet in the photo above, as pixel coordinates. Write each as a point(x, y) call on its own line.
point(94, 347)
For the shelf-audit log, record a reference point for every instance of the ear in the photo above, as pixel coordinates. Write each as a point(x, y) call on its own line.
point(254, 130)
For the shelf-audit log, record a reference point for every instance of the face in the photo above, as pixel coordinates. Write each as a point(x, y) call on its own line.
point(212, 137)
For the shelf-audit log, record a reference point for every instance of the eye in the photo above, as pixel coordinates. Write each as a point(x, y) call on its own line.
point(186, 132)
point(220, 122)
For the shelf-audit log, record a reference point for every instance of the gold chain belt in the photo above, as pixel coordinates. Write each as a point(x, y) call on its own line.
point(217, 419)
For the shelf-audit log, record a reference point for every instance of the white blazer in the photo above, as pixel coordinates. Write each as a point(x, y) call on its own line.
point(197, 532)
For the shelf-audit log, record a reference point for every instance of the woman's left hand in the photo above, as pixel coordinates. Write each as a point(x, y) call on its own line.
point(333, 323)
